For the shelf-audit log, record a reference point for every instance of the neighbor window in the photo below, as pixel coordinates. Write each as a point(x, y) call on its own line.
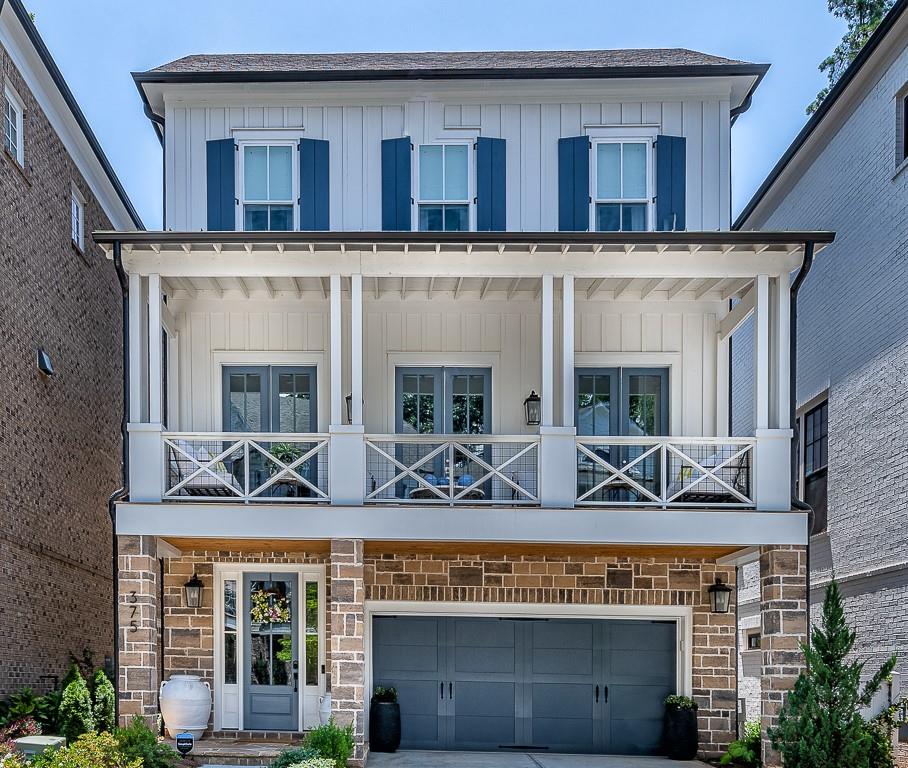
point(816, 439)
point(903, 130)
point(13, 139)
point(753, 641)
point(77, 219)
point(268, 187)
point(444, 188)
point(621, 196)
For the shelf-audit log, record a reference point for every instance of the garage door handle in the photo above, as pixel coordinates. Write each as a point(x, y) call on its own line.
point(442, 689)
point(606, 694)
point(597, 694)
point(450, 690)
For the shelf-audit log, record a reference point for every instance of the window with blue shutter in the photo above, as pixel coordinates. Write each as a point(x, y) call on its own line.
point(574, 184)
point(671, 169)
point(491, 181)
point(396, 179)
point(314, 189)
point(221, 176)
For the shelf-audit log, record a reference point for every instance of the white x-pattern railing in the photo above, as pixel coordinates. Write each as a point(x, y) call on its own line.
point(290, 467)
point(452, 469)
point(665, 472)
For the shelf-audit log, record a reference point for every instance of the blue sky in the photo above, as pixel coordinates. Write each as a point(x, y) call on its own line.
point(97, 43)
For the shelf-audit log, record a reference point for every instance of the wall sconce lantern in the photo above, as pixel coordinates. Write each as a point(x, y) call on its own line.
point(719, 596)
point(533, 407)
point(45, 365)
point(193, 589)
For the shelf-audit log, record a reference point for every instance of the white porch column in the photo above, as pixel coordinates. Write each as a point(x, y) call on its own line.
point(547, 351)
point(155, 350)
point(346, 449)
point(557, 449)
point(567, 351)
point(783, 364)
point(772, 459)
point(356, 348)
point(723, 428)
point(761, 351)
point(135, 348)
point(337, 393)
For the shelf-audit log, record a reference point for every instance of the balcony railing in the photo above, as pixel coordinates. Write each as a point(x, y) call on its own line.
point(452, 469)
point(246, 467)
point(665, 472)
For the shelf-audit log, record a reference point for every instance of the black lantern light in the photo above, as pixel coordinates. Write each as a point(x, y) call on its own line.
point(719, 596)
point(533, 407)
point(193, 589)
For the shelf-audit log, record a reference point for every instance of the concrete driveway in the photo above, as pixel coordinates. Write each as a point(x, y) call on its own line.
point(419, 759)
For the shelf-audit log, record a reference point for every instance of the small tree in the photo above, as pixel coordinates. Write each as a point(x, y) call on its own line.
point(104, 702)
point(820, 724)
point(76, 716)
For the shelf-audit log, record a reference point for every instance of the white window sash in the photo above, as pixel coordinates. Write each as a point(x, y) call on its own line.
point(13, 122)
point(241, 179)
point(467, 201)
point(595, 200)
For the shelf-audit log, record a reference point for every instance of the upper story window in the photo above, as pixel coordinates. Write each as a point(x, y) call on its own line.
point(902, 125)
point(77, 218)
point(267, 200)
point(816, 450)
point(622, 195)
point(13, 138)
point(444, 188)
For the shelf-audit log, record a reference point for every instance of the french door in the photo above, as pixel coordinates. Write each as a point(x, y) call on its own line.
point(625, 402)
point(272, 398)
point(440, 400)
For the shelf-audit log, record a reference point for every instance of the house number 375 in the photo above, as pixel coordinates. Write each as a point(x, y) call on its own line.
point(132, 600)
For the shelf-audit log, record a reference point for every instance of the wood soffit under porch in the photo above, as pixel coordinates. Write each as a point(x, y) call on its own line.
point(487, 549)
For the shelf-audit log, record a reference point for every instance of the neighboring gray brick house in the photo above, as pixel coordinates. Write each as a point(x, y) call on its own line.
point(60, 450)
point(847, 171)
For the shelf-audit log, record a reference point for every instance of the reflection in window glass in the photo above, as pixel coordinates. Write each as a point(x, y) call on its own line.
point(644, 398)
point(468, 404)
point(312, 610)
point(294, 395)
point(271, 633)
point(245, 402)
point(418, 404)
point(594, 404)
point(230, 630)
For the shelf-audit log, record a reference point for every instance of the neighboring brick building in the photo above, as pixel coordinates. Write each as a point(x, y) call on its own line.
point(60, 446)
point(848, 171)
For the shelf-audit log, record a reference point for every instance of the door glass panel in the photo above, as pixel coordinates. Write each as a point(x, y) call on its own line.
point(271, 635)
point(245, 402)
point(468, 404)
point(311, 633)
point(594, 404)
point(230, 631)
point(418, 404)
point(294, 398)
point(644, 405)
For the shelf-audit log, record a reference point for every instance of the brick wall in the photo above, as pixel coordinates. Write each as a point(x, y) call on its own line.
point(853, 342)
point(60, 451)
point(590, 580)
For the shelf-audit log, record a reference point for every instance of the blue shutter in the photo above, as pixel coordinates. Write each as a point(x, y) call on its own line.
point(314, 191)
point(395, 185)
point(574, 184)
point(671, 165)
point(491, 180)
point(220, 168)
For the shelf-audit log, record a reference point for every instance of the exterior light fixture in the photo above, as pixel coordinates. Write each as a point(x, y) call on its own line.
point(45, 365)
point(349, 401)
point(719, 596)
point(533, 408)
point(193, 589)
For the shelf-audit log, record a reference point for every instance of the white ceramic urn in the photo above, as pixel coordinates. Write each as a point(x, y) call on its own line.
point(185, 705)
point(324, 708)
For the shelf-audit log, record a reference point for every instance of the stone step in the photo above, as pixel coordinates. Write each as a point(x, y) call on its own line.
point(216, 752)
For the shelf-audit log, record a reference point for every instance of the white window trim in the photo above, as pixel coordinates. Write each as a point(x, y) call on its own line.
point(471, 182)
point(307, 573)
point(77, 202)
point(266, 141)
point(650, 176)
point(12, 97)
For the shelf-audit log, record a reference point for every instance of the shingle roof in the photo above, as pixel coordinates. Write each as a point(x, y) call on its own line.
point(327, 63)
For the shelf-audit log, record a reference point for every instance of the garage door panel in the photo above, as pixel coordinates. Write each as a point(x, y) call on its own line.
point(405, 630)
point(487, 699)
point(546, 661)
point(563, 700)
point(635, 737)
point(470, 633)
point(645, 702)
point(474, 732)
point(560, 734)
point(563, 635)
point(641, 635)
point(643, 665)
point(487, 661)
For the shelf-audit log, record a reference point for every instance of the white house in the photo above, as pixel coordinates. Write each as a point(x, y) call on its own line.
point(428, 385)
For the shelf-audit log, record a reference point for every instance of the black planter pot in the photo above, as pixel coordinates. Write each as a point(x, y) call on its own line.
point(679, 737)
point(384, 726)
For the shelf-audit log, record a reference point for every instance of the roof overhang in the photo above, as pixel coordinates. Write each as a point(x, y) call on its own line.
point(738, 81)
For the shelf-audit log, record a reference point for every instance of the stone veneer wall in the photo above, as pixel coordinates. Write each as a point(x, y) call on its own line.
point(584, 579)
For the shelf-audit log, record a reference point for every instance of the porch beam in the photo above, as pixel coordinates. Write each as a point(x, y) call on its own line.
point(733, 320)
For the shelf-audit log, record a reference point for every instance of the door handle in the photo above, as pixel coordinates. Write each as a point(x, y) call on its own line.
point(450, 690)
point(442, 689)
point(296, 678)
point(597, 694)
point(606, 694)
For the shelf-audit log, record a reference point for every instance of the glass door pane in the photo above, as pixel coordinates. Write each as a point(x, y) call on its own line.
point(597, 395)
point(644, 413)
point(418, 411)
point(246, 408)
point(294, 409)
point(468, 411)
point(311, 629)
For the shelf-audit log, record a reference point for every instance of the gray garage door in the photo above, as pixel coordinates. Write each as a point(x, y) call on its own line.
point(560, 685)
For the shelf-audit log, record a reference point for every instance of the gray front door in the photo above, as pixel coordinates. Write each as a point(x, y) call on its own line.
point(271, 663)
point(555, 685)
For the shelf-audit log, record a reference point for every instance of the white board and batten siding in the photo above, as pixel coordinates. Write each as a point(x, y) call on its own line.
point(530, 126)
point(504, 336)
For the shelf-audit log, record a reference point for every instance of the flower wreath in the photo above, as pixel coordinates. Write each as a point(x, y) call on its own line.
point(268, 609)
